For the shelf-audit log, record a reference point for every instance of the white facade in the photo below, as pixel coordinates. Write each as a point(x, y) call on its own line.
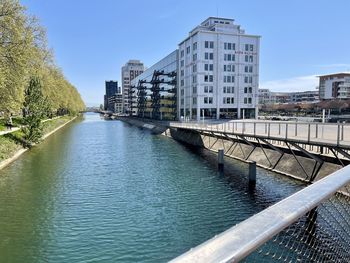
point(131, 70)
point(334, 86)
point(218, 71)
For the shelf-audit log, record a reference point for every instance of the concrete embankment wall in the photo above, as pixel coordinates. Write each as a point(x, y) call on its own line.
point(266, 158)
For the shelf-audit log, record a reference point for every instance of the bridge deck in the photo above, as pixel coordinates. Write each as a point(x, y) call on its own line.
point(319, 134)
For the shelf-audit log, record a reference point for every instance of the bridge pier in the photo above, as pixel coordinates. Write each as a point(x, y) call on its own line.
point(252, 174)
point(221, 159)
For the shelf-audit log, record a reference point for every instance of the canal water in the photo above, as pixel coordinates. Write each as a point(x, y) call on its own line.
point(105, 191)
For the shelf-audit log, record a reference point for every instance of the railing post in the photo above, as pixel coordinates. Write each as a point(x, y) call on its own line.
point(338, 134)
point(268, 133)
point(296, 129)
point(265, 128)
point(254, 128)
point(243, 127)
point(342, 132)
point(308, 133)
point(279, 129)
point(286, 131)
point(316, 131)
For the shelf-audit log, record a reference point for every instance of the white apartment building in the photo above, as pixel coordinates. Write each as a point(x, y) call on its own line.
point(218, 71)
point(334, 86)
point(130, 70)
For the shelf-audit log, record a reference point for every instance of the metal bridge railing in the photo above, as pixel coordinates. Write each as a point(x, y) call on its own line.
point(305, 132)
point(312, 225)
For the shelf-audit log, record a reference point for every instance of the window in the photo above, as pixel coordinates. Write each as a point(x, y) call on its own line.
point(229, 57)
point(182, 92)
point(250, 58)
point(250, 100)
point(229, 68)
point(182, 101)
point(182, 63)
point(224, 89)
point(182, 82)
point(232, 100)
point(245, 90)
point(208, 78)
point(194, 57)
point(228, 89)
point(246, 47)
point(194, 68)
point(229, 46)
point(194, 79)
point(206, 55)
point(206, 89)
point(194, 100)
point(251, 47)
point(229, 79)
point(209, 44)
point(194, 89)
point(205, 100)
point(210, 100)
point(250, 90)
point(248, 69)
point(208, 67)
point(188, 50)
point(228, 100)
point(248, 79)
point(194, 46)
point(211, 88)
point(211, 56)
point(182, 73)
point(245, 100)
point(224, 100)
point(182, 53)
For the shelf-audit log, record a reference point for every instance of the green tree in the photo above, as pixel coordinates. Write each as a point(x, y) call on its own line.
point(35, 110)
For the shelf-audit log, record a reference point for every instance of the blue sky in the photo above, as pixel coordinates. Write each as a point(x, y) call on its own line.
point(93, 39)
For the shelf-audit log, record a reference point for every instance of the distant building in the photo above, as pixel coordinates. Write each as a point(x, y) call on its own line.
point(218, 71)
point(269, 97)
point(111, 90)
point(168, 64)
point(130, 70)
point(116, 103)
point(334, 86)
point(304, 96)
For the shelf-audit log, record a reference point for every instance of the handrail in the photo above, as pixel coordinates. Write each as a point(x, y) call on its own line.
point(241, 240)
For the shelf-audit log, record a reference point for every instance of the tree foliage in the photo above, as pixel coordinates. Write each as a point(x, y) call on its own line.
point(23, 54)
point(35, 110)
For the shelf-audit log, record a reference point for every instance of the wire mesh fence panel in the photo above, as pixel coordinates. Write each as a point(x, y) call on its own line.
point(321, 235)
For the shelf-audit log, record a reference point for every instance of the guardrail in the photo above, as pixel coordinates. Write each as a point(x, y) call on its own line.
point(303, 132)
point(312, 225)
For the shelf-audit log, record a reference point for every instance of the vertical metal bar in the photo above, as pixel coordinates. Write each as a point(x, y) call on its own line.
point(342, 132)
point(243, 128)
point(308, 133)
point(265, 128)
point(268, 134)
point(316, 131)
point(338, 134)
point(279, 129)
point(296, 129)
point(254, 128)
point(286, 131)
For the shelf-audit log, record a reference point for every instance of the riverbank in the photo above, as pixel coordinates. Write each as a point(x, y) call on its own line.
point(10, 144)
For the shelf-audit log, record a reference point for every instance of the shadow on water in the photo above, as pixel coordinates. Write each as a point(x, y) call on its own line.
point(270, 187)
